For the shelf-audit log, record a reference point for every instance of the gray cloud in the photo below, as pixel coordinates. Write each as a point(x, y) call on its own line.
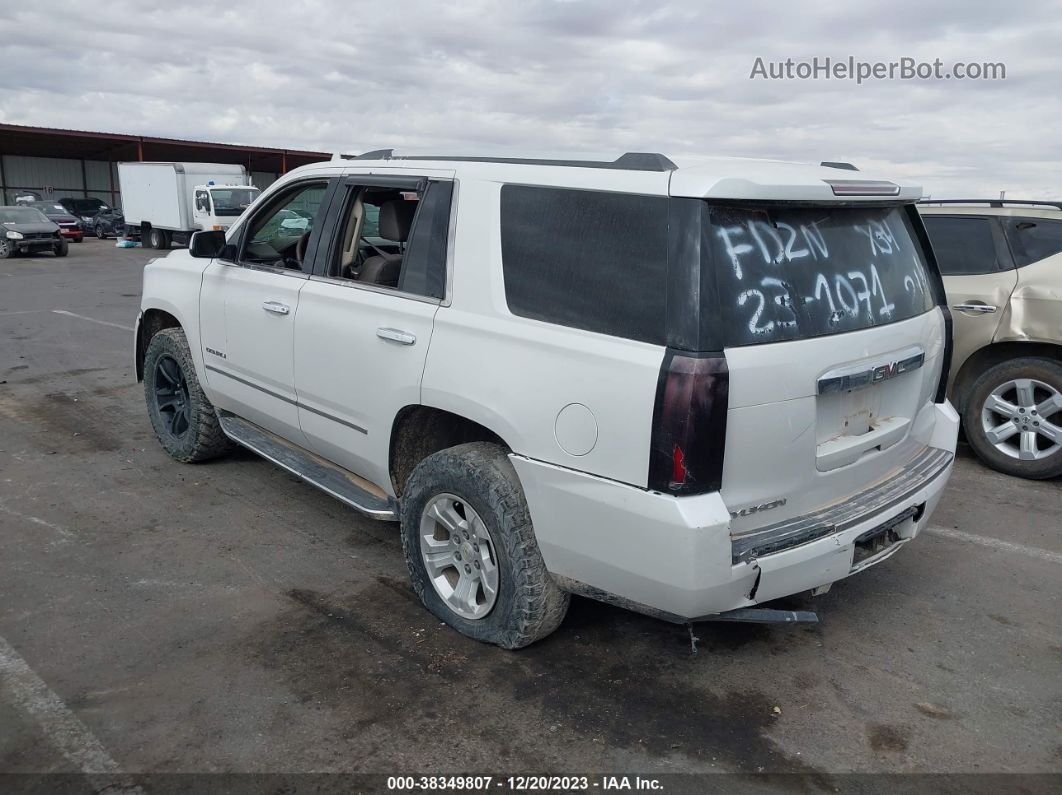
point(543, 76)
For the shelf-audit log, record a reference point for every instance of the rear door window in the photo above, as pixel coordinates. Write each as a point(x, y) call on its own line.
point(785, 273)
point(963, 245)
point(1033, 239)
point(586, 259)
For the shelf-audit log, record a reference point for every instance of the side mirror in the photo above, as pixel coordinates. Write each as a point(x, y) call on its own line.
point(207, 245)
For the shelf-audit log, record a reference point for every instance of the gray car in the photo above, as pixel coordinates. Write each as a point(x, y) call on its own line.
point(26, 229)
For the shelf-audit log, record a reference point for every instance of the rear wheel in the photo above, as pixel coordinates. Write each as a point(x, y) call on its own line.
point(184, 420)
point(1013, 417)
point(158, 238)
point(79, 239)
point(471, 550)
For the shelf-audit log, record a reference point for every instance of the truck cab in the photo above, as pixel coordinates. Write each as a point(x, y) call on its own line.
point(215, 207)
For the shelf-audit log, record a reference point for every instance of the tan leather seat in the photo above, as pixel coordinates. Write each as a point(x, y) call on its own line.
point(396, 220)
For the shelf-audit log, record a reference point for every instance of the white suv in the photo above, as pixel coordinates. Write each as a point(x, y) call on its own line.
point(685, 390)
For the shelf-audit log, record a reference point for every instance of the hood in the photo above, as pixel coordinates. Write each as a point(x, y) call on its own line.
point(30, 228)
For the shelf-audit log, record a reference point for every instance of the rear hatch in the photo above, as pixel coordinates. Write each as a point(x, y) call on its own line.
point(834, 345)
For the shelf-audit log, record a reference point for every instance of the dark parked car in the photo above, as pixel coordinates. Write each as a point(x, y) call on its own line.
point(107, 222)
point(61, 217)
point(27, 229)
point(85, 210)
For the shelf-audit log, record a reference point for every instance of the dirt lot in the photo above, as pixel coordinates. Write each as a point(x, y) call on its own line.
point(156, 617)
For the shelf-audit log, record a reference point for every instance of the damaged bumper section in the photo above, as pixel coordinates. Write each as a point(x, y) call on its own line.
point(677, 560)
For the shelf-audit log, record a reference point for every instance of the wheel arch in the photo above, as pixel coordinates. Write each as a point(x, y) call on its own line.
point(991, 355)
point(420, 430)
point(151, 322)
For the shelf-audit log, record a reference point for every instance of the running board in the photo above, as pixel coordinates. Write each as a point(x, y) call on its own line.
point(345, 486)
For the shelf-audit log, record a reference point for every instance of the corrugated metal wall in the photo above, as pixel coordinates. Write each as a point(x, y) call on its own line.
point(262, 179)
point(57, 178)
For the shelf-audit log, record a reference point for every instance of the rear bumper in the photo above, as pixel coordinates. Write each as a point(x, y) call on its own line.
point(72, 234)
point(675, 557)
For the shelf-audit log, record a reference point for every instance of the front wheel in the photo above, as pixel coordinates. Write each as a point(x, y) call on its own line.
point(7, 248)
point(471, 550)
point(100, 233)
point(1013, 417)
point(61, 248)
point(184, 420)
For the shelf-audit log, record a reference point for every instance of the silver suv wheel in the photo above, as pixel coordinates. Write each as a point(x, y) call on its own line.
point(1015, 419)
point(459, 557)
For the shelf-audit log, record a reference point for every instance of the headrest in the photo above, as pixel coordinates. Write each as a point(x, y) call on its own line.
point(396, 218)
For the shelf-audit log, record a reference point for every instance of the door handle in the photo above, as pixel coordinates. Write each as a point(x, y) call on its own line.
point(983, 309)
point(276, 307)
point(396, 335)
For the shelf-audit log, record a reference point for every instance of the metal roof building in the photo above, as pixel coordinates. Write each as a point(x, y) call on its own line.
point(57, 163)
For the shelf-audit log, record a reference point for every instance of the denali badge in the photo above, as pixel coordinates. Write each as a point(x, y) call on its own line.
point(763, 506)
point(213, 352)
point(844, 378)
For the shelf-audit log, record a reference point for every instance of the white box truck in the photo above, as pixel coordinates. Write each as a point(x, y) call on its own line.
point(165, 203)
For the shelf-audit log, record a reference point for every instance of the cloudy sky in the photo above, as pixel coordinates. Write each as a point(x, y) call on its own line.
point(603, 76)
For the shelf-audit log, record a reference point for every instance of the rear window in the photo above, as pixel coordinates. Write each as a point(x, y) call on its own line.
point(1034, 239)
point(785, 273)
point(586, 259)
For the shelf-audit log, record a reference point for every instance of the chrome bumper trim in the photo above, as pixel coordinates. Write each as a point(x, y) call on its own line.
point(917, 473)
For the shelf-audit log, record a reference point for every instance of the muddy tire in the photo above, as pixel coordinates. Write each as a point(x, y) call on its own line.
point(463, 507)
point(183, 419)
point(1013, 417)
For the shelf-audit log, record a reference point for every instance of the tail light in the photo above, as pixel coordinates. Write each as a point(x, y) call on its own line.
point(689, 424)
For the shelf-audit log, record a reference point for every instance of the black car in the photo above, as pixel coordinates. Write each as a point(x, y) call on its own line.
point(107, 222)
point(59, 215)
point(27, 229)
point(85, 210)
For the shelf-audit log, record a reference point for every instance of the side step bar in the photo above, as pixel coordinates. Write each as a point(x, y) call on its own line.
point(345, 486)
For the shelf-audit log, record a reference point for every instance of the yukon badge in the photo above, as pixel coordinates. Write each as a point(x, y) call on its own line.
point(763, 506)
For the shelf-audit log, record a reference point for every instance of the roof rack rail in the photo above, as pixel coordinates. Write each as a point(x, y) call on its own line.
point(995, 202)
point(631, 161)
point(838, 164)
point(375, 154)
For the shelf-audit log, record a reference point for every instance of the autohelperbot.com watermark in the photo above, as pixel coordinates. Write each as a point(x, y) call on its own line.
point(851, 68)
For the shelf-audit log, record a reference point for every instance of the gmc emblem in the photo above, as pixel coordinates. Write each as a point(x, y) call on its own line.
point(844, 379)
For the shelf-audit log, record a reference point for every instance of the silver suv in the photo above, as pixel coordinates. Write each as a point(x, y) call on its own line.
point(688, 389)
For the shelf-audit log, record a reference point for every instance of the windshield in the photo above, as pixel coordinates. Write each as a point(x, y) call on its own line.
point(787, 273)
point(21, 215)
point(84, 206)
point(233, 201)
